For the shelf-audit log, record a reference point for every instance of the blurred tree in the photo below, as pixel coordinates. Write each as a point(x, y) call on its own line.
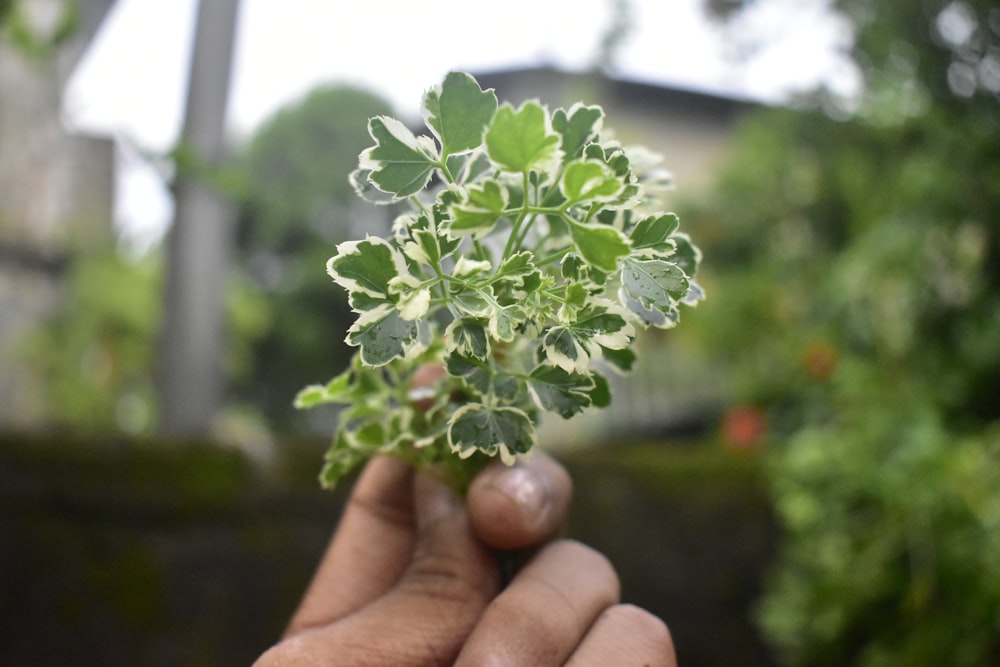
point(296, 205)
point(615, 35)
point(854, 268)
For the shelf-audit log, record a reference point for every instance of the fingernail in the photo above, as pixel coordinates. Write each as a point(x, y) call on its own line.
point(525, 487)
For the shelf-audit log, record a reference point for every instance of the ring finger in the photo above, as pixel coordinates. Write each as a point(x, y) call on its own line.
point(545, 612)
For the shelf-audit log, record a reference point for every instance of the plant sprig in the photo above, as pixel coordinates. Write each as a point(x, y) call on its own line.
point(532, 251)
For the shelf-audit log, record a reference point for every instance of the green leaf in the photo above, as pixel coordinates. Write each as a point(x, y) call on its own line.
point(620, 360)
point(491, 430)
point(467, 267)
point(651, 288)
point(476, 373)
point(521, 140)
point(610, 330)
point(425, 247)
point(654, 283)
point(491, 196)
point(654, 230)
point(600, 395)
point(473, 302)
point(558, 391)
point(600, 245)
point(590, 180)
point(368, 435)
point(468, 336)
point(504, 321)
point(519, 264)
point(400, 163)
point(366, 266)
point(337, 390)
point(311, 396)
point(339, 461)
point(578, 127)
point(361, 302)
point(563, 349)
point(383, 335)
point(687, 256)
point(577, 294)
point(458, 112)
point(694, 295)
point(518, 272)
point(413, 298)
point(364, 187)
point(483, 207)
point(573, 267)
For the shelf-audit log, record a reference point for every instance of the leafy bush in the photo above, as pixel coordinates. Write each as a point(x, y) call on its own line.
point(892, 543)
point(855, 266)
point(94, 359)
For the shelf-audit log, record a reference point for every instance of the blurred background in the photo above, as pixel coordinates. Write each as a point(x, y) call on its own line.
point(805, 472)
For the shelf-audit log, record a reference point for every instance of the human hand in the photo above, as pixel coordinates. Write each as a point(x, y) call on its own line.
point(411, 579)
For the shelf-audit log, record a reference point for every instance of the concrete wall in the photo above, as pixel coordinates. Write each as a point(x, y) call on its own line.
point(56, 192)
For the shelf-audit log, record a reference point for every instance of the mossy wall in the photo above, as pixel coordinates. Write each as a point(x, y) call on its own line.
point(185, 554)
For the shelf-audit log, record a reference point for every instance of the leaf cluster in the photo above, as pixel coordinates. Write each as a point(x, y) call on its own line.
point(531, 252)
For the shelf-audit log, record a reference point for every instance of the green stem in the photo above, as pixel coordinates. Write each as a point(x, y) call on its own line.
point(554, 257)
point(443, 166)
point(519, 220)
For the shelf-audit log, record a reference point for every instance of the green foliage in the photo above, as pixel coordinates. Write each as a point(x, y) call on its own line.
point(93, 360)
point(296, 168)
point(894, 550)
point(857, 264)
point(17, 27)
point(531, 248)
point(94, 357)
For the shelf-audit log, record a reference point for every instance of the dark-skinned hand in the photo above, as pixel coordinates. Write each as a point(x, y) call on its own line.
point(411, 579)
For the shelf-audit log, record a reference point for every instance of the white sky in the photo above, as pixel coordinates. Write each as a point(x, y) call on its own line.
point(131, 83)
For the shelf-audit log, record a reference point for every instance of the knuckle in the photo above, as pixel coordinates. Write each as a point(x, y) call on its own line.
point(644, 626)
point(447, 580)
point(292, 652)
point(595, 563)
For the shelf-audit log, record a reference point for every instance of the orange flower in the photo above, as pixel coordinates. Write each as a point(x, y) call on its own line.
point(744, 428)
point(820, 360)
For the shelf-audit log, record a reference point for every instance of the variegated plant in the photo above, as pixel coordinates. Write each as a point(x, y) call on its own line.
point(532, 251)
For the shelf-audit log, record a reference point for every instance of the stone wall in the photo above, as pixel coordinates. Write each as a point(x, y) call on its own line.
point(139, 554)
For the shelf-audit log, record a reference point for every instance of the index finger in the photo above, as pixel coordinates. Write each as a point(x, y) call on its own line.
point(370, 550)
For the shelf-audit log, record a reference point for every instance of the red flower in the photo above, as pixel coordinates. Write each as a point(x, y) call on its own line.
point(744, 428)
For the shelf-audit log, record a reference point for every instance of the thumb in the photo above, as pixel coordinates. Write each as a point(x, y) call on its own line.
point(426, 618)
point(450, 565)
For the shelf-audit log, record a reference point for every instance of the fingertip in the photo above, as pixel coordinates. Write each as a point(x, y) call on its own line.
point(513, 507)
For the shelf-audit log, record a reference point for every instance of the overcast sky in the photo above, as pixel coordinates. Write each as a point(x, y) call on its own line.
point(131, 83)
